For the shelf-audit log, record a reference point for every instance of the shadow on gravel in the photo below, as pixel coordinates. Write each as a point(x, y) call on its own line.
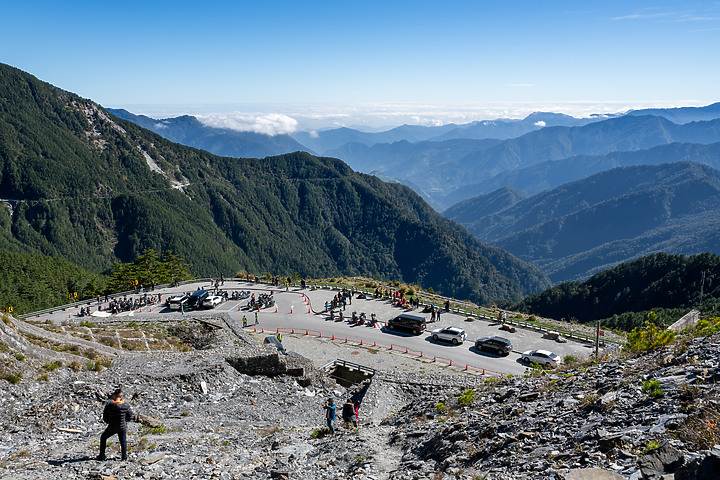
point(60, 463)
point(398, 333)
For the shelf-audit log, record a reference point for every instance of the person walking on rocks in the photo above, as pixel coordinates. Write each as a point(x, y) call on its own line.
point(330, 415)
point(348, 412)
point(116, 414)
point(356, 411)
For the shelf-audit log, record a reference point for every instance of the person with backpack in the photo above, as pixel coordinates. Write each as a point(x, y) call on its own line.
point(348, 412)
point(330, 415)
point(116, 414)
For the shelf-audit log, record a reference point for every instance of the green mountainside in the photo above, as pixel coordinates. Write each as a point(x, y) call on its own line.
point(93, 189)
point(33, 282)
point(616, 216)
point(656, 282)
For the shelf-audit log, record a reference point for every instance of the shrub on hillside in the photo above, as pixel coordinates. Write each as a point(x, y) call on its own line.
point(649, 338)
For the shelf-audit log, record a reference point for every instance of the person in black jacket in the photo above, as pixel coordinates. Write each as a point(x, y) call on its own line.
point(116, 414)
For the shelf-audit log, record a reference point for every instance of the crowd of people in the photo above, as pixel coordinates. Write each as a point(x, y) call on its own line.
point(263, 300)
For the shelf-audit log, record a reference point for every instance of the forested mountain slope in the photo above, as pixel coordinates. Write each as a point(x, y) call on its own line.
point(659, 281)
point(91, 188)
point(612, 217)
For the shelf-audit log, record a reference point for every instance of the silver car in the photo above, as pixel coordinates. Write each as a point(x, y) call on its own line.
point(449, 334)
point(542, 357)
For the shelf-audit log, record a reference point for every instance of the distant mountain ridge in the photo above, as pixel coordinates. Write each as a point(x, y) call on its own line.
point(84, 185)
point(326, 141)
point(682, 115)
point(450, 163)
point(608, 218)
point(553, 173)
point(190, 131)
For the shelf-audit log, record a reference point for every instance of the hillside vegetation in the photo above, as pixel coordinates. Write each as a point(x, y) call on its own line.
point(83, 185)
point(624, 296)
point(583, 227)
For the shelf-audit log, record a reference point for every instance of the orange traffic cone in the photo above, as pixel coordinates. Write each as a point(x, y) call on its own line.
point(291, 309)
point(275, 308)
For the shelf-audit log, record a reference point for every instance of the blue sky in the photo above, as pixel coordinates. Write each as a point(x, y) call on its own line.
point(345, 62)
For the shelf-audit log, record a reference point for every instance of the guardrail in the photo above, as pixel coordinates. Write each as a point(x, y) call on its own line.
point(93, 301)
point(345, 363)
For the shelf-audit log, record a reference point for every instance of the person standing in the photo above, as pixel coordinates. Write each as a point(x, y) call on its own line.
point(244, 321)
point(356, 411)
point(116, 414)
point(330, 415)
point(256, 318)
point(348, 412)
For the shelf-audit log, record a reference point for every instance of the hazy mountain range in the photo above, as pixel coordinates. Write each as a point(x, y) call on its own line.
point(189, 131)
point(580, 228)
point(447, 164)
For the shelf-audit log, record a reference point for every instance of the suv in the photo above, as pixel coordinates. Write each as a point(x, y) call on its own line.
point(197, 298)
point(405, 321)
point(449, 334)
point(499, 345)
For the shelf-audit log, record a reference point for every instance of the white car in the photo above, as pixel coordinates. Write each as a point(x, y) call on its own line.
point(542, 357)
point(212, 301)
point(449, 334)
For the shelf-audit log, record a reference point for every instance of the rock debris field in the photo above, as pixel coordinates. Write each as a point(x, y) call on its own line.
point(217, 404)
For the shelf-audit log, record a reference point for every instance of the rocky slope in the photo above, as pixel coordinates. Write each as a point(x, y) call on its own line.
point(234, 410)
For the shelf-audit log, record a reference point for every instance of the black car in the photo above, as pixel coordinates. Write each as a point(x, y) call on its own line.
point(499, 345)
point(405, 321)
point(196, 300)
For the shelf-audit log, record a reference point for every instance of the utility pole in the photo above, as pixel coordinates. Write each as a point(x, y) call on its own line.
point(702, 284)
point(597, 333)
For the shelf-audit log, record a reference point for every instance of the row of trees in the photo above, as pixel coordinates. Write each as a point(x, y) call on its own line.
point(623, 296)
point(32, 282)
point(147, 269)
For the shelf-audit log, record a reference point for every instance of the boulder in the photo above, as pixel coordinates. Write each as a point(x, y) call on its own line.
point(592, 474)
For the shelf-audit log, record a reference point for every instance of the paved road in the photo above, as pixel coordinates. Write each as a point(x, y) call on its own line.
point(317, 322)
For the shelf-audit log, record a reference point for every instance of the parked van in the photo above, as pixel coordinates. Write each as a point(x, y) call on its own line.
point(197, 298)
point(412, 323)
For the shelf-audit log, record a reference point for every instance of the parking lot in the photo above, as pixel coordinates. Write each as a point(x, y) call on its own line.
point(302, 312)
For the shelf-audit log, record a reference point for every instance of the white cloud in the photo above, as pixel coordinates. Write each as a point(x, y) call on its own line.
point(268, 123)
point(540, 123)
